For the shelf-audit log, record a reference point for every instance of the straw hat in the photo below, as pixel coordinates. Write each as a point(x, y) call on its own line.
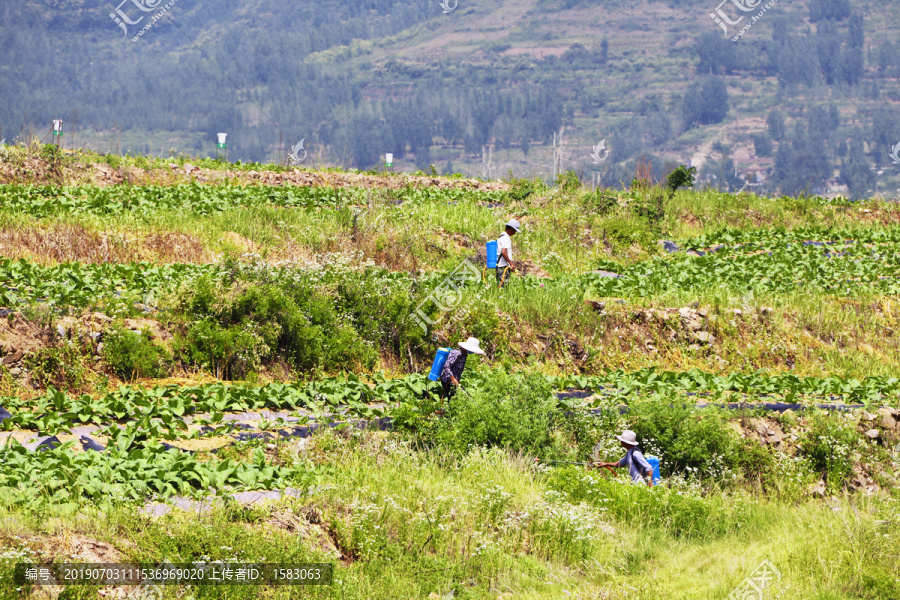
point(629, 437)
point(471, 345)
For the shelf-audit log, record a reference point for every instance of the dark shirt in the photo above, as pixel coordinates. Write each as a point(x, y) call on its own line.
point(456, 362)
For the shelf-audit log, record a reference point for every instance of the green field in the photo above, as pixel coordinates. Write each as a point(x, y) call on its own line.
point(207, 334)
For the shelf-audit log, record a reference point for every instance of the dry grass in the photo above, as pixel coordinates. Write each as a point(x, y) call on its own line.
point(59, 242)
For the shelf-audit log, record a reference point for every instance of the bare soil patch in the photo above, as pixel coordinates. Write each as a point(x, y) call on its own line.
point(38, 171)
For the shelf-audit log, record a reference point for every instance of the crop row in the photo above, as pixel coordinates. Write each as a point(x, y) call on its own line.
point(784, 385)
point(58, 476)
point(76, 284)
point(765, 238)
point(49, 201)
point(162, 408)
point(782, 269)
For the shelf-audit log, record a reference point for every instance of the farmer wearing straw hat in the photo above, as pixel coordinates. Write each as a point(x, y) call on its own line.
point(637, 465)
point(505, 263)
point(456, 362)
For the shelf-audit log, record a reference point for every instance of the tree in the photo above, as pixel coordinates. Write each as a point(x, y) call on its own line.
point(762, 145)
point(775, 123)
point(859, 177)
point(716, 54)
point(706, 105)
point(836, 10)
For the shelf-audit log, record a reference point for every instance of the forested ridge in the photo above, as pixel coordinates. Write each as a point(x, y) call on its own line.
point(808, 98)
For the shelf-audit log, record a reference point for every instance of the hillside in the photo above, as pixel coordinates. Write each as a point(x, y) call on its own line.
point(222, 366)
point(806, 100)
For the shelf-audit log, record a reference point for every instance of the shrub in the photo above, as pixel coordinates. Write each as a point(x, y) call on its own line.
point(828, 444)
point(505, 410)
point(130, 354)
point(226, 352)
point(520, 189)
point(60, 367)
point(568, 181)
point(687, 438)
point(624, 232)
point(598, 202)
point(235, 327)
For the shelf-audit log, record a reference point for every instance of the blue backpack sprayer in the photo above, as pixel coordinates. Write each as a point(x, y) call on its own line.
point(492, 258)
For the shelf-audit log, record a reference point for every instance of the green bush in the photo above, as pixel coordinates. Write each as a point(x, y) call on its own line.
point(520, 189)
point(510, 411)
point(568, 181)
point(131, 355)
point(686, 438)
point(599, 202)
point(234, 327)
point(828, 444)
point(624, 232)
point(61, 367)
point(226, 352)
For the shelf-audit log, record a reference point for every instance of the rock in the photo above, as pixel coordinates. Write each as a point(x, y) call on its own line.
point(139, 325)
point(888, 421)
point(703, 312)
point(15, 371)
point(597, 306)
point(685, 312)
point(695, 325)
point(818, 489)
point(738, 312)
point(13, 358)
point(704, 337)
point(765, 310)
point(873, 434)
point(866, 415)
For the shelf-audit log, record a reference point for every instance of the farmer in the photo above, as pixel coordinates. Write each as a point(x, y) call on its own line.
point(638, 467)
point(456, 362)
point(505, 262)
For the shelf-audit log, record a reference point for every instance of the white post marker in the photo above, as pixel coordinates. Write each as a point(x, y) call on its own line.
point(221, 145)
point(57, 127)
point(389, 160)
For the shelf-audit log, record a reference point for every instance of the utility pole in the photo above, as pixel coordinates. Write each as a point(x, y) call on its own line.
point(484, 161)
point(57, 130)
point(487, 161)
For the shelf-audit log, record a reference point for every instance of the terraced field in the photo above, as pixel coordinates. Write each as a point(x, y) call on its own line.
point(258, 392)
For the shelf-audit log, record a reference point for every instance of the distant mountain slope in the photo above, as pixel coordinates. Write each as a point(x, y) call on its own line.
point(807, 98)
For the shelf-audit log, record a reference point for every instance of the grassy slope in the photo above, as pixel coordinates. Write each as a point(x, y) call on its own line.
point(412, 524)
point(488, 526)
